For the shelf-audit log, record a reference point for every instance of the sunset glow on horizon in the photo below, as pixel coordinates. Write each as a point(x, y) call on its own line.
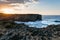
point(7, 11)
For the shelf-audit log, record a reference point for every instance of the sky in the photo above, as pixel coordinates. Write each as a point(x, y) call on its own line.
point(44, 7)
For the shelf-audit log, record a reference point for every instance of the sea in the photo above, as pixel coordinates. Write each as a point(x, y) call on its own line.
point(46, 20)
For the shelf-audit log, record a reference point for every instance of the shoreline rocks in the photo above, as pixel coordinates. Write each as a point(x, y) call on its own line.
point(24, 32)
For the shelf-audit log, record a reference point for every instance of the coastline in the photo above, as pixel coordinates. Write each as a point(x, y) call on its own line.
point(12, 31)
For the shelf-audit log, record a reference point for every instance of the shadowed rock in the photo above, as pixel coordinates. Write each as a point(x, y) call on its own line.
point(20, 17)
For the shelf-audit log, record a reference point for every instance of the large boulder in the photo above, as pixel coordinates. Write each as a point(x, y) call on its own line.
point(21, 17)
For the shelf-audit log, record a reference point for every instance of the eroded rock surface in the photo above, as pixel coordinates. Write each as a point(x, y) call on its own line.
point(13, 31)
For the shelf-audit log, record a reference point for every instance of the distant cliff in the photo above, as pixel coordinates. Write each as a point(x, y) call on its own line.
point(20, 17)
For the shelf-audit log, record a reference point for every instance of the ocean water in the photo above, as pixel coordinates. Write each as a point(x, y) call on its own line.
point(46, 20)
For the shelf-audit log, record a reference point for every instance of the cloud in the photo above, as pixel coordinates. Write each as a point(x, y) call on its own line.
point(18, 5)
point(19, 1)
point(3, 1)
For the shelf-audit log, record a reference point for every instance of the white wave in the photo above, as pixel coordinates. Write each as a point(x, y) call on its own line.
point(39, 24)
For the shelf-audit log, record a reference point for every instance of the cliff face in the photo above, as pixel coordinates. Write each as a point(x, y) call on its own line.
point(21, 17)
point(12, 31)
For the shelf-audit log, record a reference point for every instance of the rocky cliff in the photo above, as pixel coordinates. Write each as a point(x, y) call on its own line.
point(20, 17)
point(13, 31)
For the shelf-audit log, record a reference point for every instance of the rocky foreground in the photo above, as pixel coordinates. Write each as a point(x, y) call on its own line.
point(12, 31)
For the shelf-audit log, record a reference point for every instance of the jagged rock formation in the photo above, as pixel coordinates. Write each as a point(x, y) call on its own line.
point(20, 17)
point(13, 31)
